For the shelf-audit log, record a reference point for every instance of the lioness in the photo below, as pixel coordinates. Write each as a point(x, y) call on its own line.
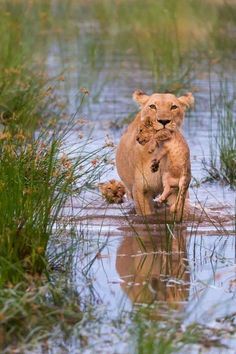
point(133, 160)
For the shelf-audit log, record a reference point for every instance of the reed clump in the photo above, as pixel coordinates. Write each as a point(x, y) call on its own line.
point(221, 166)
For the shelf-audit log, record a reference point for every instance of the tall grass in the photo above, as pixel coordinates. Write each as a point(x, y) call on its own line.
point(169, 38)
point(221, 165)
point(171, 336)
point(39, 173)
point(36, 180)
point(29, 317)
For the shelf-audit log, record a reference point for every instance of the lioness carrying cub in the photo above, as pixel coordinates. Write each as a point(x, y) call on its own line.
point(133, 160)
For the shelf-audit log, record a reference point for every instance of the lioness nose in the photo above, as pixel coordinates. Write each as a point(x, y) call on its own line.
point(164, 122)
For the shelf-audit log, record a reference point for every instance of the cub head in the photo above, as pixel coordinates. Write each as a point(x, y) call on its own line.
point(145, 133)
point(113, 191)
point(163, 110)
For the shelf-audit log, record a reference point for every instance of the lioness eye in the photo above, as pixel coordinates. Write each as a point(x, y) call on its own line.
point(152, 106)
point(174, 106)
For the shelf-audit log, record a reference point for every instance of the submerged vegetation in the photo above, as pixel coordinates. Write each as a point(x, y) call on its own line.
point(28, 316)
point(171, 336)
point(49, 50)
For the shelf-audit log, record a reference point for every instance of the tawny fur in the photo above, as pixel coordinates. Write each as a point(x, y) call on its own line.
point(113, 191)
point(176, 169)
point(133, 160)
point(147, 134)
point(176, 172)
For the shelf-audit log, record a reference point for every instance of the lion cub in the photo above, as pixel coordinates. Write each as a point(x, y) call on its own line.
point(176, 171)
point(113, 191)
point(147, 134)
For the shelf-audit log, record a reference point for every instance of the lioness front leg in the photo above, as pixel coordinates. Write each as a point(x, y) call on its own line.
point(143, 201)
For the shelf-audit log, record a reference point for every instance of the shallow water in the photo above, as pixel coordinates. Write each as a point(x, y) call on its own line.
point(184, 271)
point(195, 277)
point(187, 270)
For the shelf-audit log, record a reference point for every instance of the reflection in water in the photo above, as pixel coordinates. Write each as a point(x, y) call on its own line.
point(153, 265)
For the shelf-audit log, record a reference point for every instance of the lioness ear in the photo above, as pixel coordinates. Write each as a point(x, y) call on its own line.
point(140, 97)
point(187, 101)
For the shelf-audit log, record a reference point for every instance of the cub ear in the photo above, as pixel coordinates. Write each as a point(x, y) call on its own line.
point(187, 101)
point(140, 97)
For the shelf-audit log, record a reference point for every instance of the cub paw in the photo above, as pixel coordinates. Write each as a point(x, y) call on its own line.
point(155, 165)
point(159, 200)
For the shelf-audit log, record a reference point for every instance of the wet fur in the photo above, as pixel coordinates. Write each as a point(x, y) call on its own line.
point(113, 191)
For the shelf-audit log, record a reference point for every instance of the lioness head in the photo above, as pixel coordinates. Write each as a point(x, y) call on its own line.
point(163, 110)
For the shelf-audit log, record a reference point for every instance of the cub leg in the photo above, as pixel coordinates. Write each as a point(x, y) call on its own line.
point(167, 189)
point(178, 206)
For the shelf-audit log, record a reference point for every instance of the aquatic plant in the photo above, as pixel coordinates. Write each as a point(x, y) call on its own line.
point(171, 335)
point(28, 315)
point(222, 163)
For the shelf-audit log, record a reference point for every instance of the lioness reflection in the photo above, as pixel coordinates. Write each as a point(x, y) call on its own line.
point(153, 265)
